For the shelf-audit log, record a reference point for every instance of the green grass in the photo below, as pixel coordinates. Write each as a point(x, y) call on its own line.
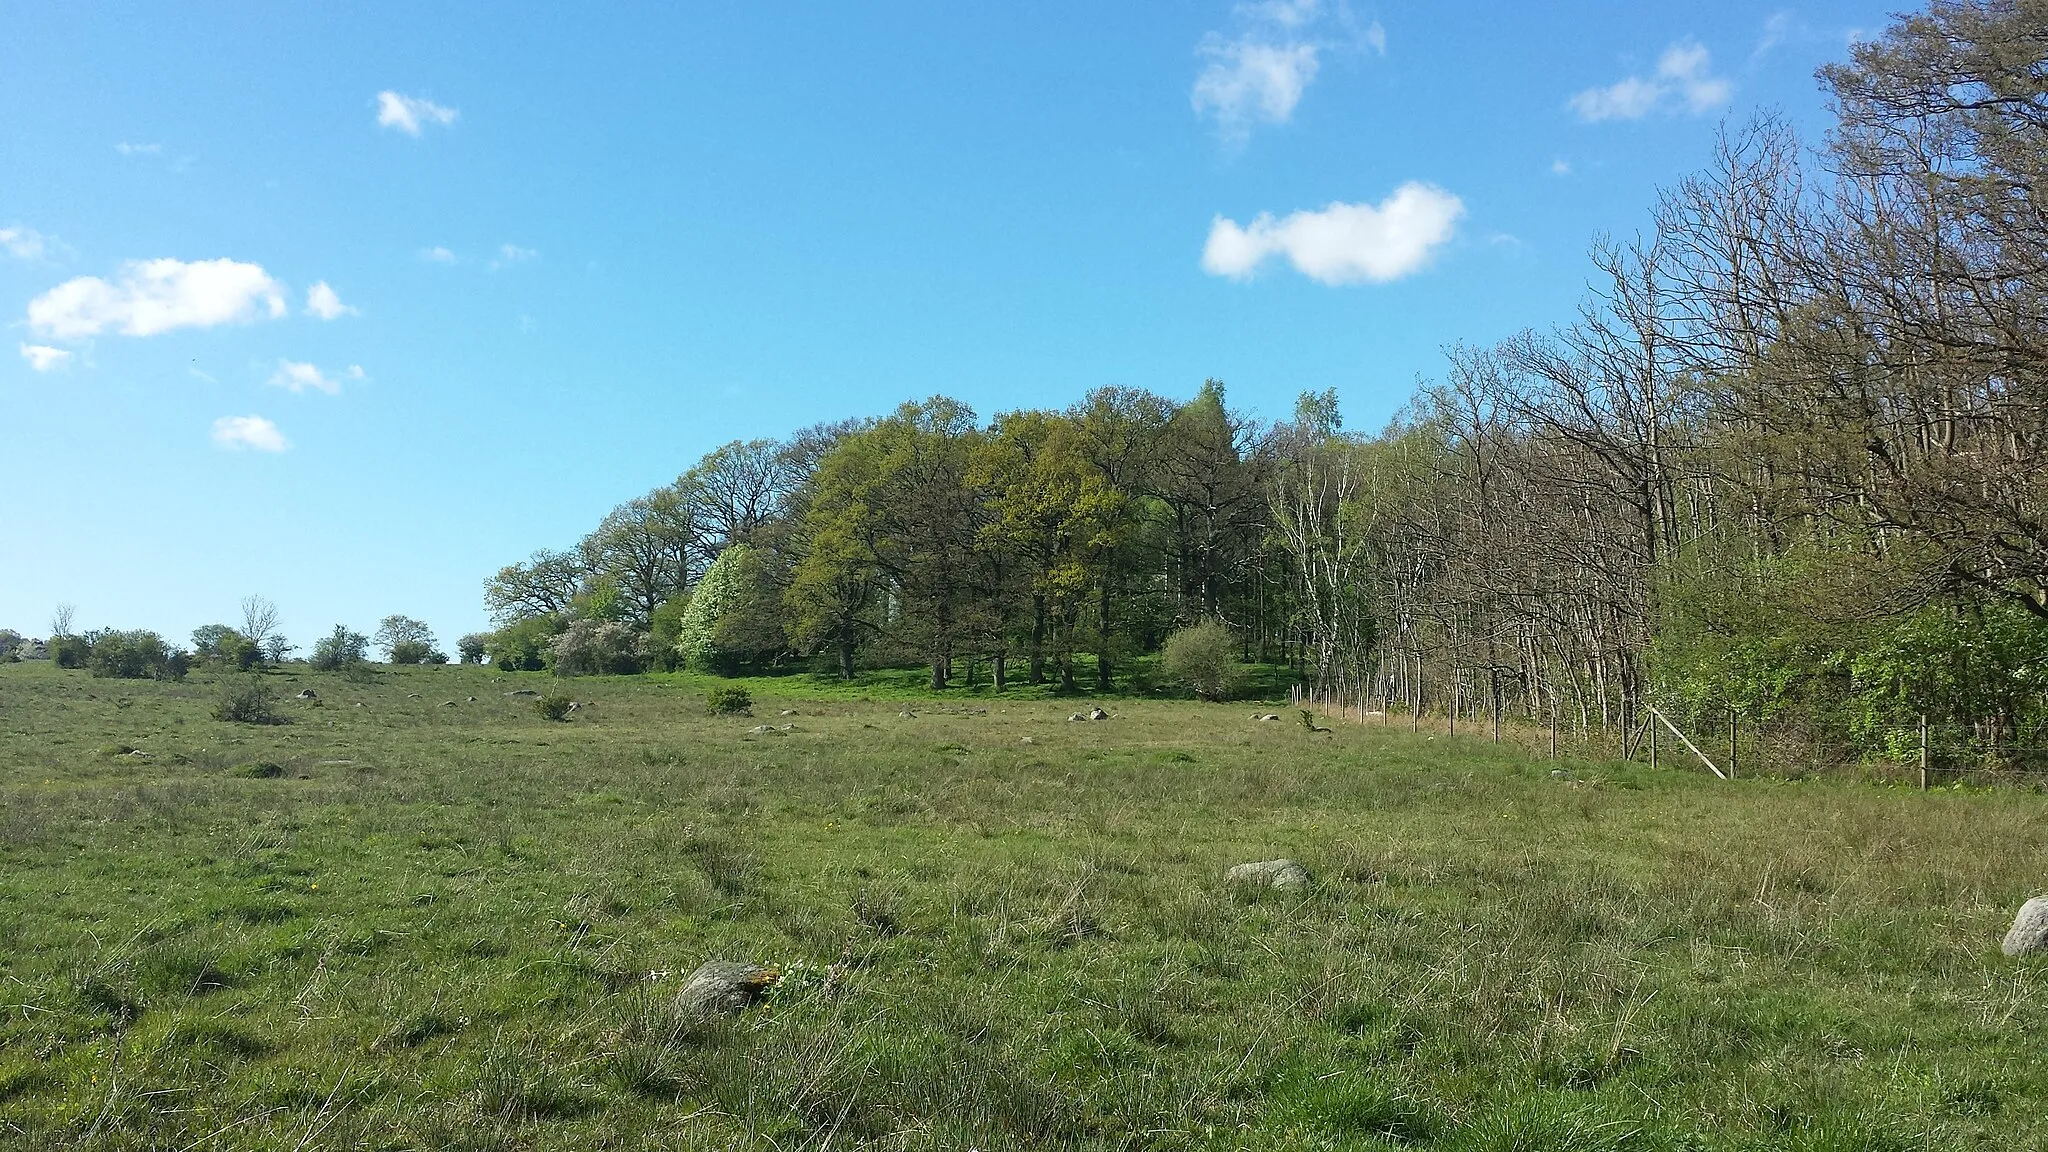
point(463, 927)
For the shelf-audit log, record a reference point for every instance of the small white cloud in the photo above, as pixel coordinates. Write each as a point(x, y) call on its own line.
point(409, 113)
point(325, 302)
point(1776, 29)
point(1560, 167)
point(298, 376)
point(127, 149)
point(1342, 243)
point(1375, 38)
point(1683, 81)
point(23, 243)
point(437, 255)
point(1249, 82)
point(44, 358)
point(239, 432)
point(512, 254)
point(355, 372)
point(198, 373)
point(153, 296)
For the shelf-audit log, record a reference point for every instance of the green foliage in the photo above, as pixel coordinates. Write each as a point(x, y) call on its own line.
point(1203, 658)
point(664, 631)
point(69, 651)
point(553, 706)
point(340, 649)
point(731, 619)
point(727, 700)
point(258, 770)
point(472, 648)
point(408, 641)
point(246, 700)
point(525, 645)
point(133, 655)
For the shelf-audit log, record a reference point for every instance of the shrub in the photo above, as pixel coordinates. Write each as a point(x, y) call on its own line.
point(246, 701)
point(412, 652)
point(1203, 658)
point(729, 701)
point(340, 649)
point(524, 645)
point(260, 770)
point(69, 651)
point(136, 655)
point(220, 644)
point(553, 707)
point(597, 647)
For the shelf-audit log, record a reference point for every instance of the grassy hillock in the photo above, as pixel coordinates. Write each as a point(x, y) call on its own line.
point(396, 922)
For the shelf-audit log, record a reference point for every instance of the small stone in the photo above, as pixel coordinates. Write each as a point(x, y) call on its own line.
point(1097, 714)
point(723, 987)
point(788, 712)
point(1077, 716)
point(2029, 932)
point(523, 692)
point(308, 694)
point(1029, 740)
point(447, 703)
point(1286, 875)
point(1264, 716)
point(472, 699)
point(907, 714)
point(412, 695)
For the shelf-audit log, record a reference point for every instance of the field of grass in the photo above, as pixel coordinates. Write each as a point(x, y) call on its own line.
point(464, 926)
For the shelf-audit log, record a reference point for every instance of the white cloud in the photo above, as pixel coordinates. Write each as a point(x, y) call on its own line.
point(1342, 243)
point(409, 113)
point(325, 302)
point(23, 243)
point(1258, 74)
point(1684, 80)
point(127, 149)
point(1247, 82)
point(512, 254)
point(239, 432)
point(437, 255)
point(44, 358)
point(298, 376)
point(153, 296)
point(1560, 167)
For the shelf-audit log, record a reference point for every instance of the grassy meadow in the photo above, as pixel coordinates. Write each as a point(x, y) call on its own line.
point(462, 926)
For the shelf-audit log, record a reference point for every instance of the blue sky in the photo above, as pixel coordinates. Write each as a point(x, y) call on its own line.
point(349, 305)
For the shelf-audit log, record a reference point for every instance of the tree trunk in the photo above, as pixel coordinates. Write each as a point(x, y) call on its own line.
point(1038, 639)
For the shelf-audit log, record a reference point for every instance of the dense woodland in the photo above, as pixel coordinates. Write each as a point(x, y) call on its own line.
point(1784, 468)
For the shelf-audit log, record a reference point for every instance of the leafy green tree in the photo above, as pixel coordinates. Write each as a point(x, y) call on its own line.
point(732, 617)
point(524, 645)
point(407, 641)
point(1203, 658)
point(340, 649)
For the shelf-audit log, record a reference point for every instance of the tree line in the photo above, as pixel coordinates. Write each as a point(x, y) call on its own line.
point(1784, 469)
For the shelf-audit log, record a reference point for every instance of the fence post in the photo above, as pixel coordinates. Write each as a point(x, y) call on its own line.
point(1731, 741)
point(1923, 751)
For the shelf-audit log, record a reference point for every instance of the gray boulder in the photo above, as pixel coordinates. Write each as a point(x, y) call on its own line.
point(1097, 714)
point(2029, 932)
point(1285, 875)
point(308, 694)
point(723, 987)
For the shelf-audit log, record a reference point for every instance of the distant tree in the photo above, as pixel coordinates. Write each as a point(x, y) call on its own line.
point(10, 640)
point(60, 621)
point(733, 617)
point(471, 648)
point(340, 649)
point(643, 550)
point(259, 621)
point(406, 640)
point(543, 586)
point(220, 644)
point(277, 649)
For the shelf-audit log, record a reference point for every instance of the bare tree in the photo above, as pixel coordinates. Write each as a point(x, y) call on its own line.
point(60, 621)
point(259, 621)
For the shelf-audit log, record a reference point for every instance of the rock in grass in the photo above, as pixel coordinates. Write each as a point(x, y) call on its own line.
point(723, 987)
point(2029, 932)
point(1097, 714)
point(308, 694)
point(1285, 875)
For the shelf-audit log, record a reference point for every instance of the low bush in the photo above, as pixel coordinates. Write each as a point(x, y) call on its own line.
point(553, 707)
point(729, 701)
point(1203, 658)
point(260, 770)
point(246, 701)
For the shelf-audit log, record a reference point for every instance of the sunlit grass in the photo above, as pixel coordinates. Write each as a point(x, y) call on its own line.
point(462, 927)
